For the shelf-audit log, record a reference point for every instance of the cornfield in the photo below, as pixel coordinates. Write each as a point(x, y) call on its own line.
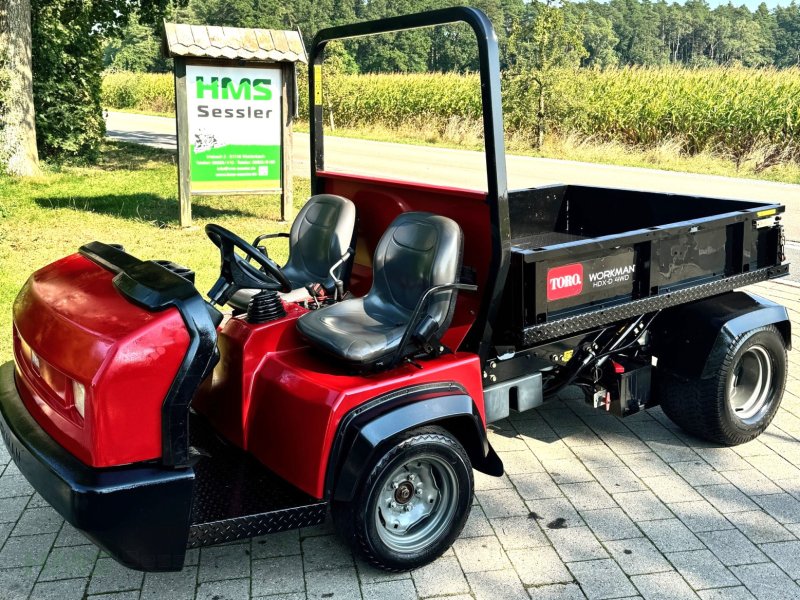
point(728, 111)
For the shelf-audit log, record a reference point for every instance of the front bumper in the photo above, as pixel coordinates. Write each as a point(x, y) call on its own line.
point(139, 514)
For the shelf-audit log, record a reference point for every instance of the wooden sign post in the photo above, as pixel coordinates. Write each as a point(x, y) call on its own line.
point(235, 103)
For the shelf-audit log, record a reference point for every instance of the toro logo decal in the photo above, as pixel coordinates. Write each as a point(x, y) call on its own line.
point(564, 281)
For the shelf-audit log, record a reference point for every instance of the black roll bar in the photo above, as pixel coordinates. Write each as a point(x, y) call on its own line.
point(480, 336)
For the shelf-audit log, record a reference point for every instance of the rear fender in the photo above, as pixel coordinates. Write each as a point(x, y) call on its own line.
point(689, 339)
point(361, 436)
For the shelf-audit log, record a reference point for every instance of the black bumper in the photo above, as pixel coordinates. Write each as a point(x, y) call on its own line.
point(139, 514)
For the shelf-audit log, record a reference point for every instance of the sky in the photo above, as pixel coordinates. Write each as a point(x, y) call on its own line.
point(751, 4)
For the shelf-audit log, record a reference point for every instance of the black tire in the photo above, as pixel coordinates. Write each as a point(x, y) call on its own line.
point(360, 520)
point(705, 407)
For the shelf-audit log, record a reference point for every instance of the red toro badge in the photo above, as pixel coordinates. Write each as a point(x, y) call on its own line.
point(564, 282)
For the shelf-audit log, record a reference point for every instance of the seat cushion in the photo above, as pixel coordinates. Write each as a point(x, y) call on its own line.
point(351, 331)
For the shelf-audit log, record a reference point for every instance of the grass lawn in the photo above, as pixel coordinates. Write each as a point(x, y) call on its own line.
point(130, 198)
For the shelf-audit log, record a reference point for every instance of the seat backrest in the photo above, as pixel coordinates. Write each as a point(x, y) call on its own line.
point(418, 251)
point(321, 233)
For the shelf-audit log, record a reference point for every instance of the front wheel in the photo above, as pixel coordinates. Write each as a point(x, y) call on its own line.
point(741, 397)
point(412, 503)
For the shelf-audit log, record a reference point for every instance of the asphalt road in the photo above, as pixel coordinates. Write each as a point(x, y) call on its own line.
point(465, 168)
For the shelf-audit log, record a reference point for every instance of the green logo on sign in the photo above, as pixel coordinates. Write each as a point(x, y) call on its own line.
point(228, 90)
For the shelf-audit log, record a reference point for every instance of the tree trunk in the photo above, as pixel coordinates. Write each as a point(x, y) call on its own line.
point(19, 130)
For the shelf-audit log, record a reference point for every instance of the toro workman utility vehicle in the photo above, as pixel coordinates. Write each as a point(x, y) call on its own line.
point(360, 377)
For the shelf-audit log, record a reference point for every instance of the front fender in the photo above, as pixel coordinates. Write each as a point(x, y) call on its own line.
point(455, 412)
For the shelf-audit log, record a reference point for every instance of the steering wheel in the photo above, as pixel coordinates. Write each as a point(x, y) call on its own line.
point(236, 272)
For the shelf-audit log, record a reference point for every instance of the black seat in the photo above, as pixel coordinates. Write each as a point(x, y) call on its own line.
point(416, 268)
point(320, 235)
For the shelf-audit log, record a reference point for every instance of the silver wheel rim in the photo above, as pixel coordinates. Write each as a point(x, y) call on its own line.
point(750, 386)
point(416, 503)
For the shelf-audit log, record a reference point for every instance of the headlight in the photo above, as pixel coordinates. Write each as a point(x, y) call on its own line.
point(79, 397)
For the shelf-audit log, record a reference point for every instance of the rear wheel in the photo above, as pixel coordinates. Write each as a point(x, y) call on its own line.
point(412, 503)
point(740, 399)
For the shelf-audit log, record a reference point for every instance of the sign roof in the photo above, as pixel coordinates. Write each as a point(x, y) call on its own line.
point(208, 41)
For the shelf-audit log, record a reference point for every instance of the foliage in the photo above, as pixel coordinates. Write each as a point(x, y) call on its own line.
point(136, 49)
point(68, 37)
point(727, 110)
point(149, 92)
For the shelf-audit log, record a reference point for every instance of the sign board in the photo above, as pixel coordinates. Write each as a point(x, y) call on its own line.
point(235, 128)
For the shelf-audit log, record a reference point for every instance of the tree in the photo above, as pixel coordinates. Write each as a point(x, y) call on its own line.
point(137, 49)
point(787, 41)
point(538, 48)
point(18, 134)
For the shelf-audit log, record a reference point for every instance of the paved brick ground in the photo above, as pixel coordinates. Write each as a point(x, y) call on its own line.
point(591, 507)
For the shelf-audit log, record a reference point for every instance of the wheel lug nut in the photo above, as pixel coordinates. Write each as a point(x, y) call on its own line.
point(395, 485)
point(411, 477)
point(419, 492)
point(393, 504)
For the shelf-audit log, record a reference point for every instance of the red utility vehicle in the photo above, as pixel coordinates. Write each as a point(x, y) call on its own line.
point(360, 377)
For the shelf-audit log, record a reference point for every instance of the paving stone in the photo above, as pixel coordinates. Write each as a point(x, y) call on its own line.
point(480, 554)
point(663, 586)
point(26, 551)
point(490, 482)
point(786, 555)
point(325, 552)
point(759, 527)
point(549, 449)
point(649, 431)
point(727, 498)
point(14, 485)
point(442, 577)
point(670, 535)
point(701, 569)
point(700, 516)
point(515, 533)
point(277, 575)
point(69, 563)
point(557, 591)
point(286, 543)
point(66, 589)
point(610, 524)
point(5, 531)
point(496, 585)
point(729, 593)
point(520, 461)
point(580, 436)
point(535, 486)
point(671, 488)
point(175, 586)
point(672, 450)
point(131, 595)
point(230, 589)
point(698, 472)
point(539, 566)
point(767, 582)
point(751, 482)
point(595, 458)
point(723, 459)
point(339, 584)
point(587, 495)
point(477, 524)
point(110, 576)
point(624, 443)
point(369, 574)
point(638, 556)
point(501, 503)
point(505, 440)
point(402, 589)
point(784, 508)
point(775, 467)
point(554, 512)
point(642, 506)
point(16, 583)
point(38, 520)
point(731, 547)
point(619, 479)
point(576, 543)
point(567, 471)
point(601, 579)
point(69, 536)
point(11, 508)
point(647, 464)
point(230, 561)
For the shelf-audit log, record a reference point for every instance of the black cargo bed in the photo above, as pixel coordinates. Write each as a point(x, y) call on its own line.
point(583, 257)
